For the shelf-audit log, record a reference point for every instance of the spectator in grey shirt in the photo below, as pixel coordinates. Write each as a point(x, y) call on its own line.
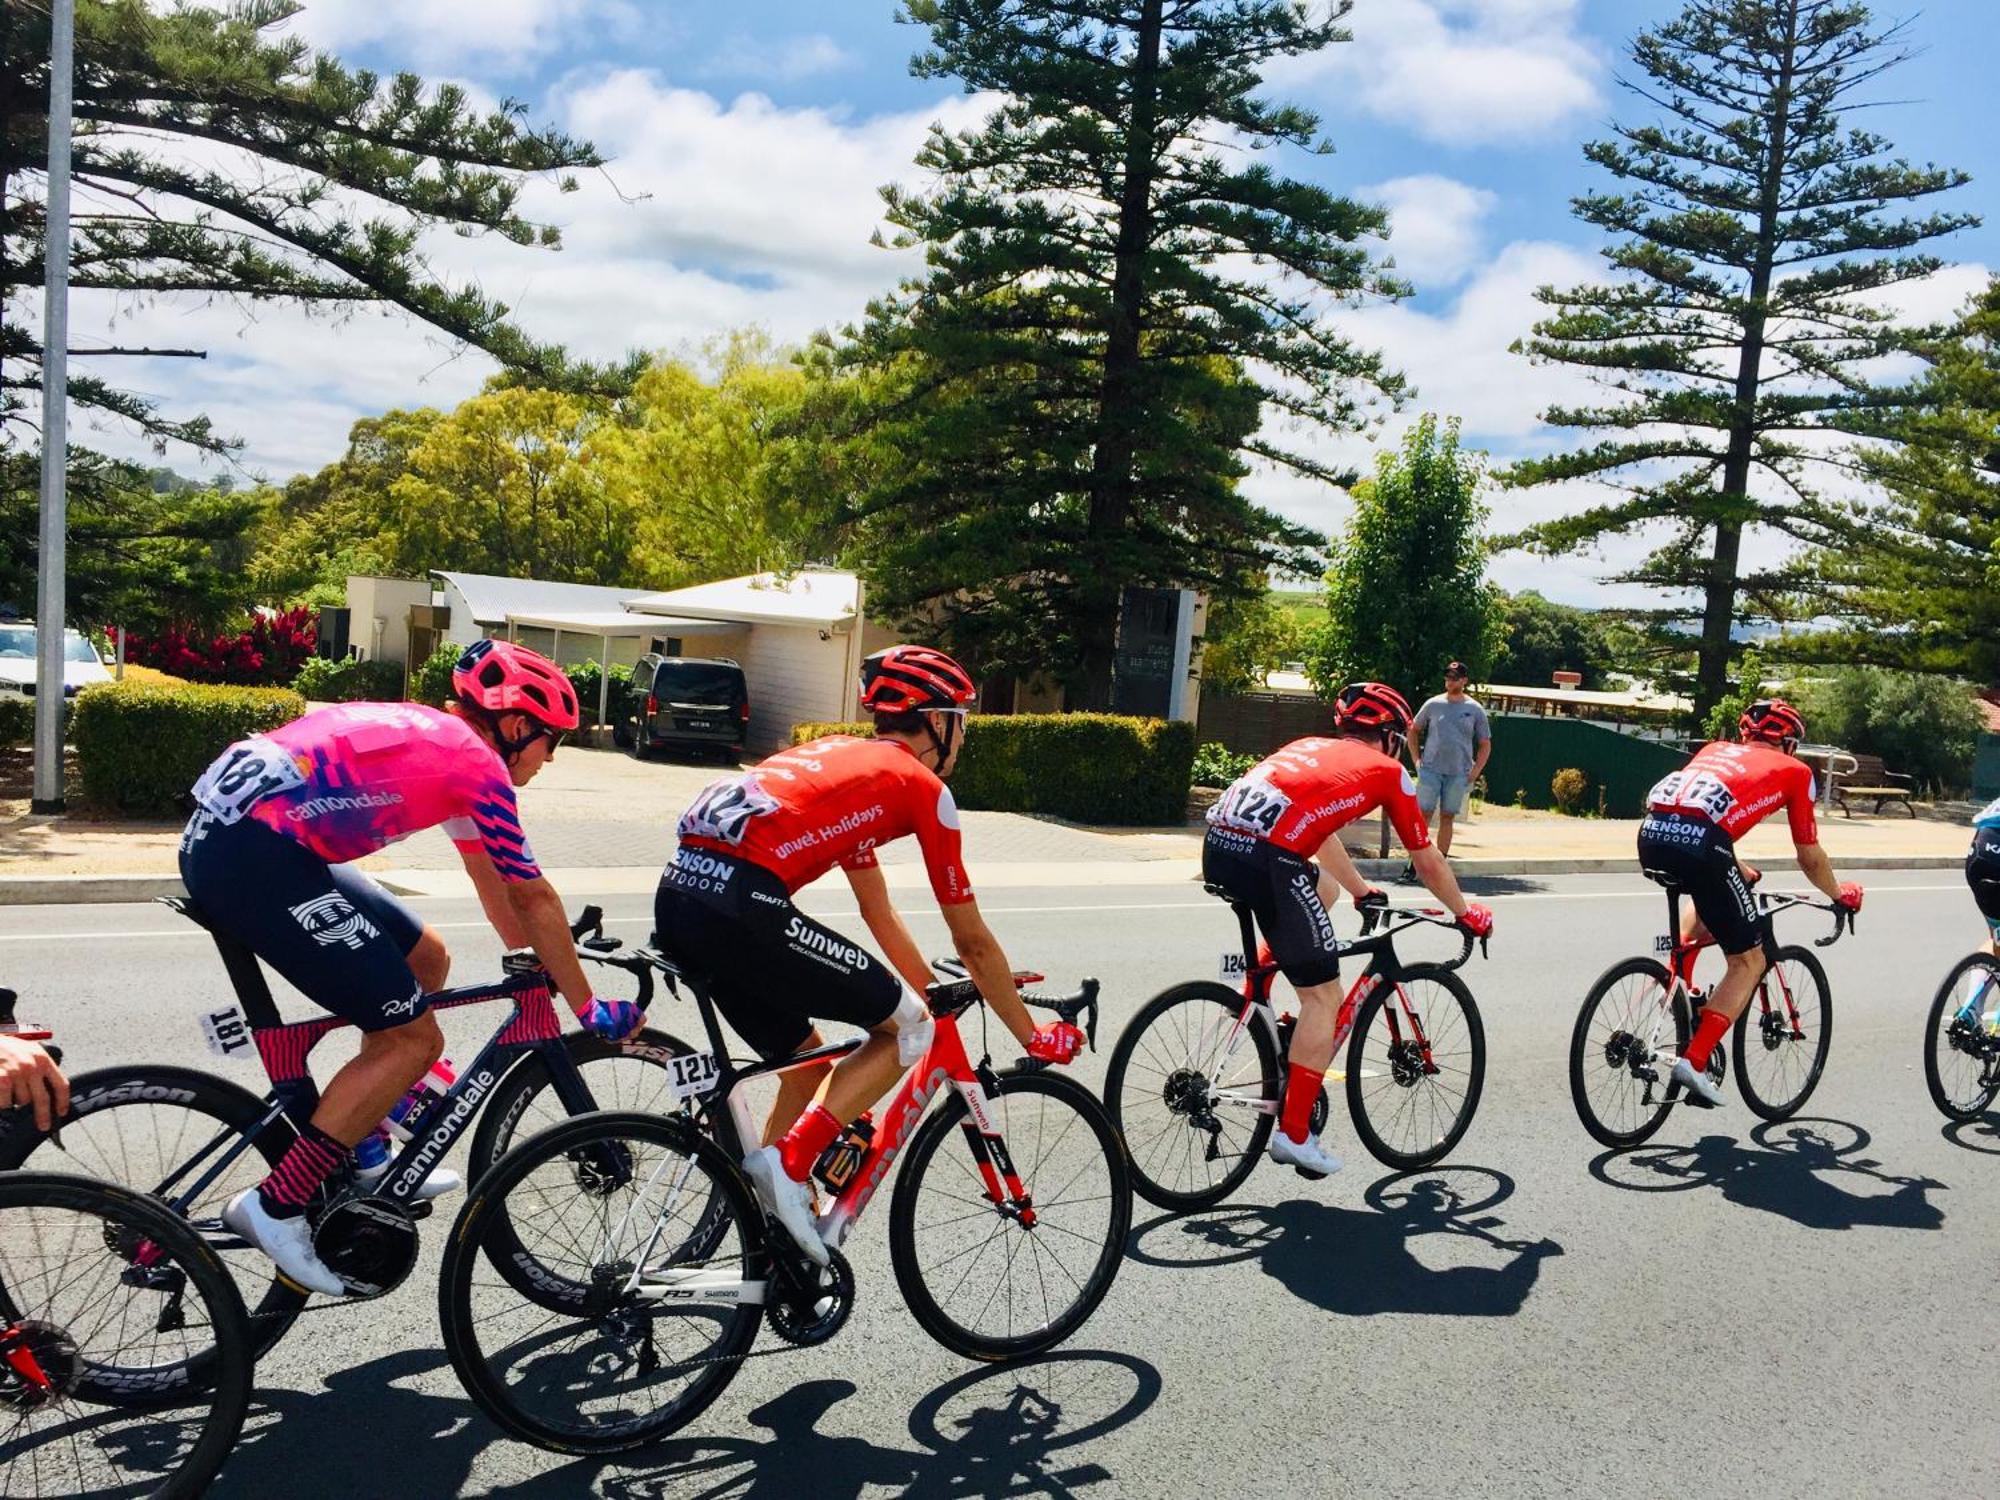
point(1452, 740)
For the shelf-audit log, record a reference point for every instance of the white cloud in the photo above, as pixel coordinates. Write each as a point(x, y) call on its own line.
point(430, 33)
point(1435, 233)
point(797, 57)
point(1464, 72)
point(730, 215)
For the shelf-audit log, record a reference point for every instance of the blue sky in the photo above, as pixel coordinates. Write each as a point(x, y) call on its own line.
point(748, 141)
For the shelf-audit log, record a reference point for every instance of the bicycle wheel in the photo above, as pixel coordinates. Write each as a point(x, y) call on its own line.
point(158, 1130)
point(1415, 1067)
point(1631, 1027)
point(985, 1279)
point(1194, 1094)
point(1778, 1063)
point(627, 1075)
point(566, 1352)
point(104, 1296)
point(1961, 1049)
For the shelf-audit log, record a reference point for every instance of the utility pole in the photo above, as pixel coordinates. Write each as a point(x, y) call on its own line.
point(49, 601)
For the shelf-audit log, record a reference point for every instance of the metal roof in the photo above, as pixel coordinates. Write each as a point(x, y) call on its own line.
point(620, 622)
point(811, 596)
point(492, 598)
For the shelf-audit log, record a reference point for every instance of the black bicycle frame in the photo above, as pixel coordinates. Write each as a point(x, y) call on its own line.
point(532, 1028)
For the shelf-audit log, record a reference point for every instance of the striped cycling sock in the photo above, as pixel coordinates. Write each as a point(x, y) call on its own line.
point(292, 1183)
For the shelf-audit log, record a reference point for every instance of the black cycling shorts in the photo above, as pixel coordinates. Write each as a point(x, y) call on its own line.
point(771, 968)
point(336, 935)
point(1982, 873)
point(1695, 856)
point(1282, 890)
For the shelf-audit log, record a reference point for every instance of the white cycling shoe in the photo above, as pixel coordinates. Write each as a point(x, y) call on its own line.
point(1700, 1088)
point(1308, 1155)
point(441, 1181)
point(287, 1241)
point(789, 1202)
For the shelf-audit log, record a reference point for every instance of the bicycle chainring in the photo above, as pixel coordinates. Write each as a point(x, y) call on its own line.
point(369, 1243)
point(806, 1315)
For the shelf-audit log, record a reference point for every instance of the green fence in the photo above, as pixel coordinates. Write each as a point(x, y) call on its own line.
point(1528, 750)
point(1986, 767)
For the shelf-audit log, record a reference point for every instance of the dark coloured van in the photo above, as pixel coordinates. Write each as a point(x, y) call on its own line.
point(687, 703)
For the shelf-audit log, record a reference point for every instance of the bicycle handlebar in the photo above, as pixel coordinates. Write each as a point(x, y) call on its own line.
point(1774, 902)
point(955, 991)
point(1379, 913)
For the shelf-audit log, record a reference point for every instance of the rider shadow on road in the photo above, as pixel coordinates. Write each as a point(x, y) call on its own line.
point(988, 1432)
point(1795, 1171)
point(1363, 1261)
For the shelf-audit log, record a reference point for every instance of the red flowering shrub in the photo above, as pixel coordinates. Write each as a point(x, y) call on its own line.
point(270, 650)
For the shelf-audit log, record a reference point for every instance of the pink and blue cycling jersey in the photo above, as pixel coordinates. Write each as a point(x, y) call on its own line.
point(347, 779)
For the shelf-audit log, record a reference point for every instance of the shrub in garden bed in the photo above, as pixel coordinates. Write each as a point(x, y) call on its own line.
point(324, 680)
point(17, 722)
point(139, 746)
point(1088, 768)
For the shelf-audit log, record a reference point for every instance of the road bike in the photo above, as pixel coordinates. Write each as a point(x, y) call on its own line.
point(605, 1281)
point(1637, 1019)
point(1962, 1039)
point(194, 1140)
point(104, 1294)
point(1196, 1079)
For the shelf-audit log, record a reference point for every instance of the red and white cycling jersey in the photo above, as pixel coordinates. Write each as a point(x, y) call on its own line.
point(833, 802)
point(1737, 786)
point(1297, 796)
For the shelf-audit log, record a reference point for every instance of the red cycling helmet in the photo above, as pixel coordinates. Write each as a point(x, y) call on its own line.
point(1772, 720)
point(501, 677)
point(907, 678)
point(1372, 705)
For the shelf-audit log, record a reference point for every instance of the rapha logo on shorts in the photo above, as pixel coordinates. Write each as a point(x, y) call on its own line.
point(404, 1007)
point(332, 919)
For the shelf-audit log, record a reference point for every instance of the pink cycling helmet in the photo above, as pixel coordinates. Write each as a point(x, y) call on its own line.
point(502, 677)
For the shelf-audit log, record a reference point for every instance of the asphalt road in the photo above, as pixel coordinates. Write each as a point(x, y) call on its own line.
point(1805, 1309)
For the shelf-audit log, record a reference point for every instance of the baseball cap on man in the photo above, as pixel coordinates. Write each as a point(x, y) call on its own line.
point(1456, 669)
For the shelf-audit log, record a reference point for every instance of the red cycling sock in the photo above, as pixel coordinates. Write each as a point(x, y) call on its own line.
point(810, 1134)
point(1302, 1086)
point(298, 1174)
point(1713, 1027)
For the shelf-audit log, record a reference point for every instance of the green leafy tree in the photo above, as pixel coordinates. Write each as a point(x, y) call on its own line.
point(1248, 639)
point(1538, 638)
point(1923, 589)
point(323, 526)
point(1750, 231)
point(142, 550)
point(216, 158)
point(1122, 305)
point(1919, 723)
point(1407, 591)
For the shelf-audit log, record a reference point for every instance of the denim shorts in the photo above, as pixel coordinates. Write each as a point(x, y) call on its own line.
point(1438, 791)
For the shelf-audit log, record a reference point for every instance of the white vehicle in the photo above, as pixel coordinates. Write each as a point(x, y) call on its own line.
point(81, 664)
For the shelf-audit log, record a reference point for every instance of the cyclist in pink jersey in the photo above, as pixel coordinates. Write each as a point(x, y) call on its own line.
point(280, 816)
point(1688, 842)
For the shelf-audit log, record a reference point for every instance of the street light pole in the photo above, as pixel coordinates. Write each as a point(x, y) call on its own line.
point(49, 602)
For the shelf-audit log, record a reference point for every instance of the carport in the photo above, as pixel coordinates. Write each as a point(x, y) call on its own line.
point(609, 637)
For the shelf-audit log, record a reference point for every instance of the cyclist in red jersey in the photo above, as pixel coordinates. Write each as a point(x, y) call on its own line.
point(1695, 815)
point(1262, 835)
point(725, 907)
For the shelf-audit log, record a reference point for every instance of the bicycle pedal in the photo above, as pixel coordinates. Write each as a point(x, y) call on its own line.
point(1309, 1175)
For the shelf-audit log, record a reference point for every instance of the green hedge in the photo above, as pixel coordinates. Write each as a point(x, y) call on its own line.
point(17, 722)
point(139, 747)
point(325, 680)
point(430, 681)
point(1089, 768)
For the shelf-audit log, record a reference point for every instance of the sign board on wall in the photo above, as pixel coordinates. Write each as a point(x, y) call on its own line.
point(1149, 668)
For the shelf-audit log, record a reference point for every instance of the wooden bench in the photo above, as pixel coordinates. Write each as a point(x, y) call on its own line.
point(1870, 781)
